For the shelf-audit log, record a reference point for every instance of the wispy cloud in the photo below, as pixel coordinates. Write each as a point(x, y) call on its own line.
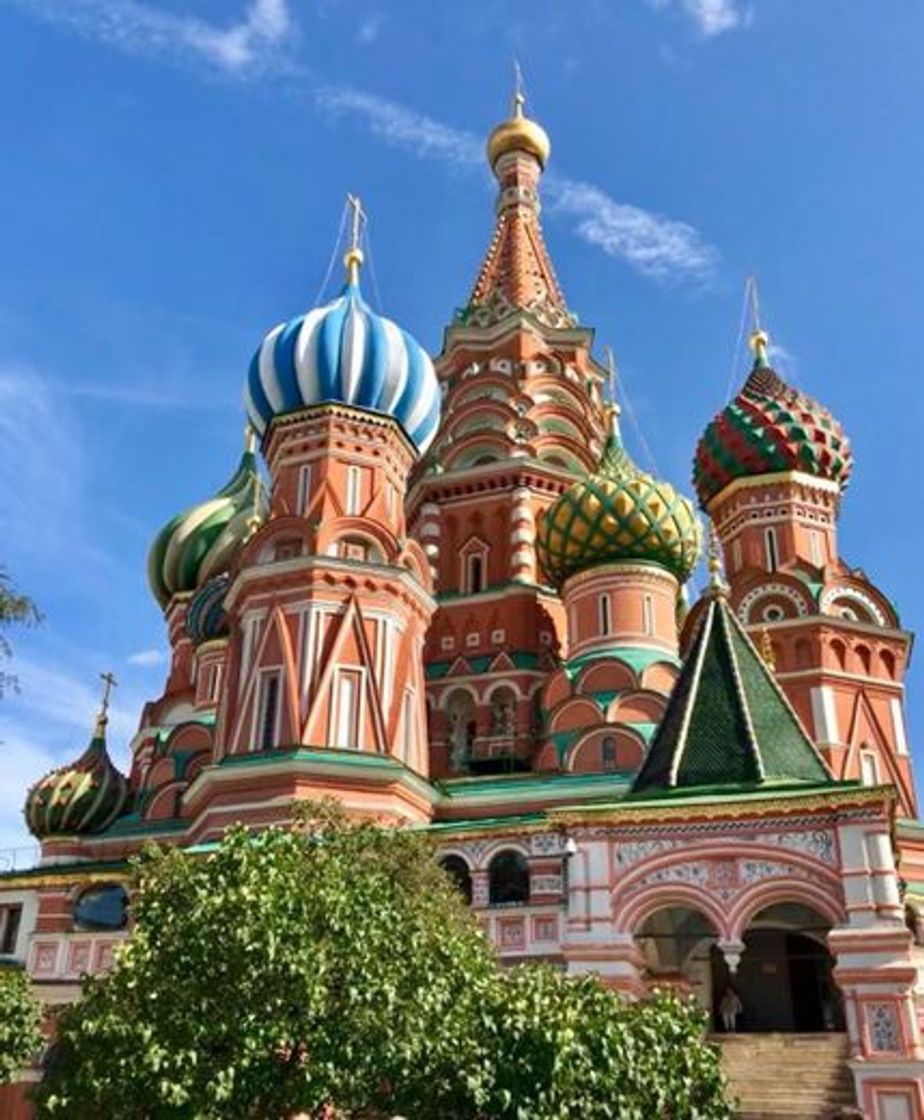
point(652, 244)
point(257, 37)
point(710, 17)
point(402, 127)
point(656, 246)
point(147, 658)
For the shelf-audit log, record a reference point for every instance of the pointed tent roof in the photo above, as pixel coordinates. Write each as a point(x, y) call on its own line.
point(727, 722)
point(517, 272)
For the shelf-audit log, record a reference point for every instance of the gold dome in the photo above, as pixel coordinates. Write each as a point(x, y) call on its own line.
point(519, 134)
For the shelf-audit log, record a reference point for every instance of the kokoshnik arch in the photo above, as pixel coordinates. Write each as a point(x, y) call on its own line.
point(459, 603)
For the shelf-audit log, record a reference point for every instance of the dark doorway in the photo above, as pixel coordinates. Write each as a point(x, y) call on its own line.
point(784, 979)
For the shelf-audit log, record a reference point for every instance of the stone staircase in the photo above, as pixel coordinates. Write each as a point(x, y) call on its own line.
point(789, 1076)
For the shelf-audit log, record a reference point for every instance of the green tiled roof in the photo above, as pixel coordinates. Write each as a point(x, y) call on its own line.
point(727, 721)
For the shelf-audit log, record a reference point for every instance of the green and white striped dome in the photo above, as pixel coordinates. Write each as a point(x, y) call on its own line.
point(202, 541)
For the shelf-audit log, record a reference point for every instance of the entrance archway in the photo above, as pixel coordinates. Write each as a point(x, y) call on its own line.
point(677, 942)
point(784, 978)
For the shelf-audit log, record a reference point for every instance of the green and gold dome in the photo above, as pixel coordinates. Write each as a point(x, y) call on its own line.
point(618, 512)
point(201, 542)
point(81, 798)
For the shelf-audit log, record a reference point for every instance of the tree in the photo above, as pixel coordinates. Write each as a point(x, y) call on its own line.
point(15, 608)
point(336, 971)
point(20, 1023)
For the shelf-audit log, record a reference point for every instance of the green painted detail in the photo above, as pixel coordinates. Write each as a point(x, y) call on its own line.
point(645, 730)
point(434, 670)
point(521, 659)
point(727, 723)
point(637, 658)
point(201, 541)
point(603, 698)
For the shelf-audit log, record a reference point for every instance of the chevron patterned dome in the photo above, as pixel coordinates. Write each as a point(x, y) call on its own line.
point(80, 798)
point(767, 428)
point(618, 512)
point(206, 619)
point(202, 541)
point(345, 353)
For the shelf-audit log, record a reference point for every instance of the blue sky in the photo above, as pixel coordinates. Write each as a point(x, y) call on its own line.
point(173, 179)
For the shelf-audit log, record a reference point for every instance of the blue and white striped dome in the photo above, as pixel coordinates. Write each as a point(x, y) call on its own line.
point(345, 353)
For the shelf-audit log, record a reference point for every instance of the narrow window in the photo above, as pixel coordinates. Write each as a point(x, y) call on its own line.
point(770, 544)
point(346, 727)
point(354, 481)
point(608, 751)
point(606, 622)
point(815, 543)
point(304, 489)
point(869, 771)
point(648, 614)
point(475, 573)
point(215, 688)
point(10, 917)
point(268, 711)
point(736, 554)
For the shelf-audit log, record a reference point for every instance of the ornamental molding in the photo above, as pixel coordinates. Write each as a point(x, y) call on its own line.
point(818, 844)
point(724, 879)
point(766, 591)
point(833, 595)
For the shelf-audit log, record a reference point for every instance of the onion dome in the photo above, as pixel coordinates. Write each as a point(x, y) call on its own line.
point(618, 512)
point(202, 541)
point(344, 353)
point(769, 427)
point(206, 619)
point(81, 798)
point(519, 134)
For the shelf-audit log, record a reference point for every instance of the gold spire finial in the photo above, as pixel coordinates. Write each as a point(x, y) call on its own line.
point(519, 94)
point(716, 582)
point(250, 439)
point(760, 340)
point(766, 650)
point(353, 258)
point(102, 718)
point(518, 133)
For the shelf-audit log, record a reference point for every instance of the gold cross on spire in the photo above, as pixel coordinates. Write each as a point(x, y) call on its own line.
point(353, 258)
point(760, 340)
point(519, 93)
point(109, 683)
point(612, 406)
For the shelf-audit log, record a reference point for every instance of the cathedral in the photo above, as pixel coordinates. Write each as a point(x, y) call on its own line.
point(441, 591)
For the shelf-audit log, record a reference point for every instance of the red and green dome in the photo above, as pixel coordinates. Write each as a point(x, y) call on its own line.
point(80, 798)
point(769, 427)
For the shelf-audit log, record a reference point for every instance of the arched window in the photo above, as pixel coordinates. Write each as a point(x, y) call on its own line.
point(865, 659)
point(648, 614)
point(887, 659)
point(608, 753)
point(458, 870)
point(102, 907)
point(508, 879)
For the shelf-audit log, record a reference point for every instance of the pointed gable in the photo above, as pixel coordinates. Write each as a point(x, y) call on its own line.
point(727, 722)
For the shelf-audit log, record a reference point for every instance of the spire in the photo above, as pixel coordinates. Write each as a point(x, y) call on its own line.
point(353, 258)
point(517, 273)
point(727, 722)
point(714, 564)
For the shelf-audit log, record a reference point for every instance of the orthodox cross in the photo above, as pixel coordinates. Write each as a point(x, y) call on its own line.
point(519, 93)
point(357, 220)
point(109, 683)
point(611, 366)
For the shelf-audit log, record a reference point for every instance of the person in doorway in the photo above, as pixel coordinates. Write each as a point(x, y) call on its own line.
point(730, 1007)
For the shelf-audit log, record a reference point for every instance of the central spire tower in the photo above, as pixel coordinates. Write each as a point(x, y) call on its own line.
point(522, 418)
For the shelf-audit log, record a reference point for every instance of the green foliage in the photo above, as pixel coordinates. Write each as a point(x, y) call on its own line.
point(20, 1023)
point(15, 608)
point(289, 972)
point(565, 1047)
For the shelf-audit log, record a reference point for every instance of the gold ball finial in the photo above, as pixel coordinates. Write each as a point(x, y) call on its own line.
point(518, 133)
point(760, 343)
